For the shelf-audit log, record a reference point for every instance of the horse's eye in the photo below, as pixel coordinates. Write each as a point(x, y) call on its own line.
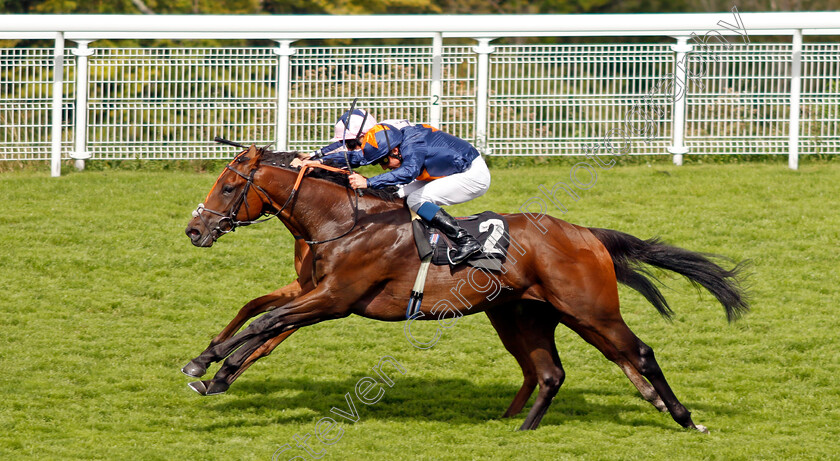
point(227, 189)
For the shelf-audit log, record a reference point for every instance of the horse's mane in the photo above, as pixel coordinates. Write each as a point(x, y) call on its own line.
point(284, 159)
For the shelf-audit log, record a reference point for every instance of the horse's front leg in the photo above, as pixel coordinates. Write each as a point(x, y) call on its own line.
point(315, 306)
point(198, 366)
point(265, 349)
point(303, 267)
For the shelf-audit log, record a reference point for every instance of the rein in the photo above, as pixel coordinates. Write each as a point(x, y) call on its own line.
point(230, 218)
point(294, 193)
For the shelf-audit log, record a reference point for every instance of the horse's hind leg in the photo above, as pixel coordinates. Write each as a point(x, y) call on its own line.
point(550, 374)
point(644, 387)
point(586, 294)
point(646, 363)
point(528, 333)
point(517, 328)
point(506, 322)
point(503, 320)
point(609, 334)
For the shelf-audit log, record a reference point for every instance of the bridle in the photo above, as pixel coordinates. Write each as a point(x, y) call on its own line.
point(229, 217)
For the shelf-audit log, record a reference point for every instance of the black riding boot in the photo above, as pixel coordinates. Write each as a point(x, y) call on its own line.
point(465, 243)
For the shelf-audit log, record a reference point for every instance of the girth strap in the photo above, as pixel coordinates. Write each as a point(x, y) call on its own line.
point(416, 298)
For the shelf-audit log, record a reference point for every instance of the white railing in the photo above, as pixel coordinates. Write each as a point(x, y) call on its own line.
point(550, 99)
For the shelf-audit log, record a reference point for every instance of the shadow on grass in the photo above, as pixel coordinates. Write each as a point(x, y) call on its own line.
point(451, 401)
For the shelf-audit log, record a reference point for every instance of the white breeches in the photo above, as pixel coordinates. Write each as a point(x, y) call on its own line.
point(449, 190)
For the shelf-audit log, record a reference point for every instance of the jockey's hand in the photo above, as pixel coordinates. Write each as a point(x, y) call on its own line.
point(358, 181)
point(302, 163)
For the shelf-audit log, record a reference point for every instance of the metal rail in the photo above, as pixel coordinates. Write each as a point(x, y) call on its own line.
point(735, 97)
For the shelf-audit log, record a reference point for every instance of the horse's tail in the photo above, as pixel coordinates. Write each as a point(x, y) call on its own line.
point(629, 253)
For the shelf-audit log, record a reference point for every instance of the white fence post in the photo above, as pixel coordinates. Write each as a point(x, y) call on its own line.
point(678, 147)
point(80, 153)
point(281, 133)
point(435, 86)
point(57, 94)
point(483, 49)
point(795, 93)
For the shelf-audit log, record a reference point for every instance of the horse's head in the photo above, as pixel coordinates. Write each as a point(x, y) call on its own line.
point(233, 201)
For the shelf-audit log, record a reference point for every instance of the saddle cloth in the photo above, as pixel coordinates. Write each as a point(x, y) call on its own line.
point(490, 229)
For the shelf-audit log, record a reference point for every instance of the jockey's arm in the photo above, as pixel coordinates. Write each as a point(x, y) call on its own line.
point(414, 156)
point(336, 159)
point(336, 147)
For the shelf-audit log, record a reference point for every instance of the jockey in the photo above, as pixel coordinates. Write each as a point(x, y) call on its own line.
point(434, 169)
point(348, 134)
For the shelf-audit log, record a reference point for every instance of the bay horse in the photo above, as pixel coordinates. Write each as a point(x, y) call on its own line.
point(356, 255)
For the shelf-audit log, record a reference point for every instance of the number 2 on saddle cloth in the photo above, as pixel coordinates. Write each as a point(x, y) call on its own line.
point(490, 229)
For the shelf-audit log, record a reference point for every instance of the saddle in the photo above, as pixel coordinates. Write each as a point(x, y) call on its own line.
point(490, 229)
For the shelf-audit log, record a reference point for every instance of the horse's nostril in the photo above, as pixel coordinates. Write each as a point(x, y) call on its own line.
point(193, 233)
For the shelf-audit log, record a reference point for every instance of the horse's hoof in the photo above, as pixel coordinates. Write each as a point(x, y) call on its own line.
point(193, 370)
point(199, 387)
point(702, 428)
point(217, 387)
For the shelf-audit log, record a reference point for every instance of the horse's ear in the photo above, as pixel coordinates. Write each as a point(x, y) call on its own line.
point(246, 156)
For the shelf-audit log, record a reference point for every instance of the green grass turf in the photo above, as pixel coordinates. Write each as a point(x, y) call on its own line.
point(103, 299)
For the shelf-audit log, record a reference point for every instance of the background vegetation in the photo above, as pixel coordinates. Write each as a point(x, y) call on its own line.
point(103, 299)
point(403, 6)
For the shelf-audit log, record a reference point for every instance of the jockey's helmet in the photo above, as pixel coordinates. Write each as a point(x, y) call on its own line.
point(379, 142)
point(359, 123)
